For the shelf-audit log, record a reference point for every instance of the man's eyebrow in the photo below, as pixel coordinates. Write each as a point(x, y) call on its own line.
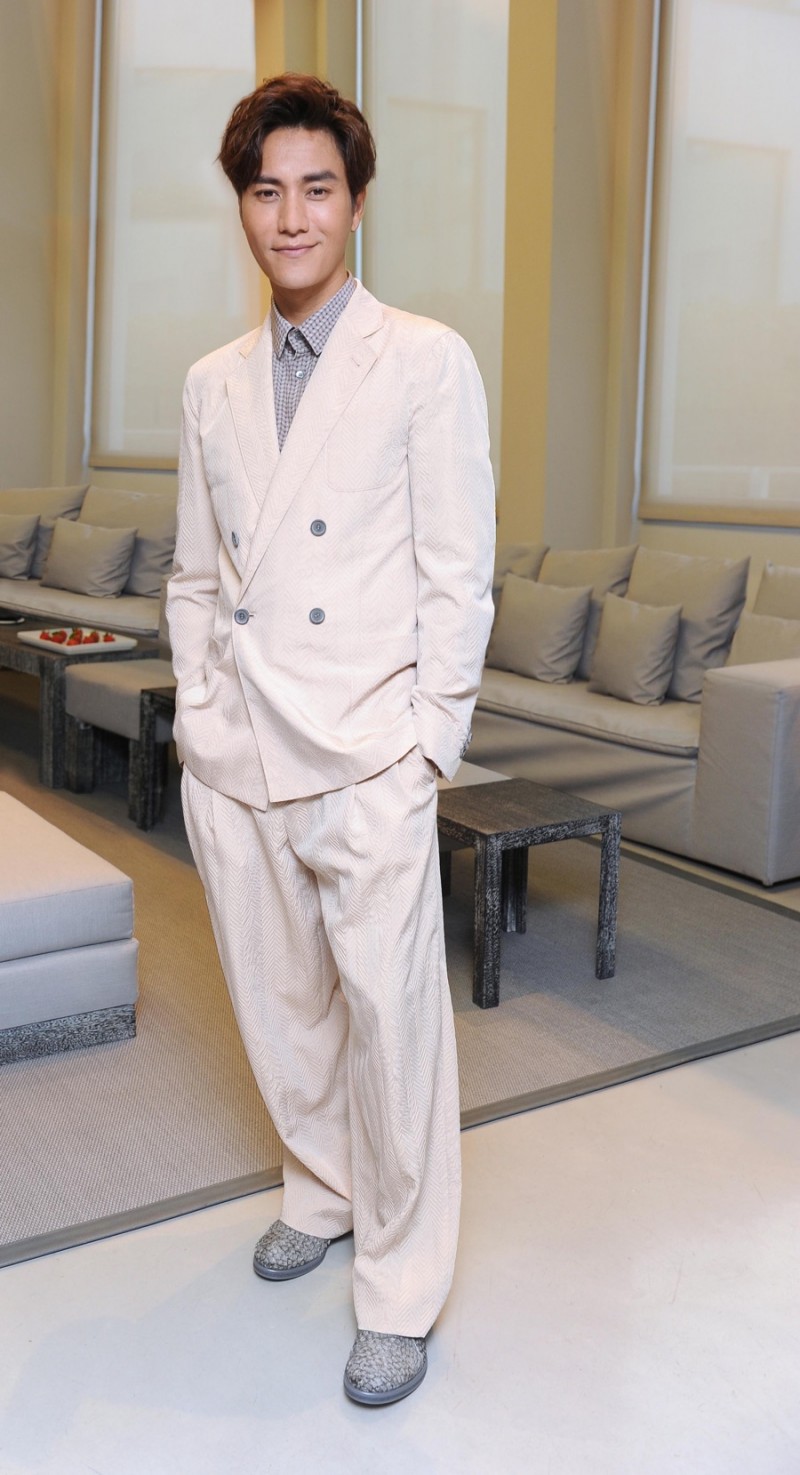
point(323, 174)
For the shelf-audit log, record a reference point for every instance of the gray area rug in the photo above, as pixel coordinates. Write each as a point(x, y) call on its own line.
point(101, 1140)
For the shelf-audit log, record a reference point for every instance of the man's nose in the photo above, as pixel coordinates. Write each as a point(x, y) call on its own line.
point(292, 218)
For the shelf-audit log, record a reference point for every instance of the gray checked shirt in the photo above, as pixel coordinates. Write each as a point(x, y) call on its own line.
point(296, 351)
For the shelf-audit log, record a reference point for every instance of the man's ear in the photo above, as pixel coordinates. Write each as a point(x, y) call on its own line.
point(358, 209)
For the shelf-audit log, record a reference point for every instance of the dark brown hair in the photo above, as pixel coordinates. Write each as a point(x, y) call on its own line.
point(296, 101)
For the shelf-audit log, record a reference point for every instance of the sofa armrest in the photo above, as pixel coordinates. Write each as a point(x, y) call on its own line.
point(747, 797)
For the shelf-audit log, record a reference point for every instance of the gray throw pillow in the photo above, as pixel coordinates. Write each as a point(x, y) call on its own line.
point(711, 593)
point(764, 638)
point(635, 650)
point(49, 503)
point(606, 569)
point(522, 559)
point(779, 592)
point(539, 629)
point(154, 515)
point(17, 544)
point(89, 560)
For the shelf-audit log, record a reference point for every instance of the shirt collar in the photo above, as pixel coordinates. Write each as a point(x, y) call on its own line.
point(316, 330)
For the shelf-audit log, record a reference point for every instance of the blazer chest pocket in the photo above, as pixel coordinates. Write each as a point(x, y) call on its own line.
point(362, 458)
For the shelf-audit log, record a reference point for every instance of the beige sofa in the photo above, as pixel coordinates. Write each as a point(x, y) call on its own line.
point(712, 770)
point(86, 555)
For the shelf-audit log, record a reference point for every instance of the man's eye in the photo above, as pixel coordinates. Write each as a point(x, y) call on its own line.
point(318, 192)
point(265, 194)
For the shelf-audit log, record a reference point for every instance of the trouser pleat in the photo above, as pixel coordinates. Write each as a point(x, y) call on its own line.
point(327, 917)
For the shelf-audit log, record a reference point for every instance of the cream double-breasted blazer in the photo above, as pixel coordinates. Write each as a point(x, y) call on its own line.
point(330, 603)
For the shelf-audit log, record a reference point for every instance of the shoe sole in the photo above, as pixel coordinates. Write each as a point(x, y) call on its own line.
point(266, 1274)
point(393, 1395)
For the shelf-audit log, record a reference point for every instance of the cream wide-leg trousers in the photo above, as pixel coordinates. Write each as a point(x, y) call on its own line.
point(327, 915)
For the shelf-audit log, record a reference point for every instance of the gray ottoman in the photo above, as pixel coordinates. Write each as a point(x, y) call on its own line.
point(68, 959)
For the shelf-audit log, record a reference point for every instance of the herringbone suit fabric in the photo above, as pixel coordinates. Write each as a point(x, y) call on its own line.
point(327, 916)
point(329, 610)
point(389, 450)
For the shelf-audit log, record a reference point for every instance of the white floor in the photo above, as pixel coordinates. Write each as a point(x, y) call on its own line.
point(627, 1299)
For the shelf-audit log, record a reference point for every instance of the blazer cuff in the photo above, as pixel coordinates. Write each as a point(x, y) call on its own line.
point(441, 739)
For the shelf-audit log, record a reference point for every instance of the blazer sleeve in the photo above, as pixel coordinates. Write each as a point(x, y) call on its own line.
point(194, 585)
point(453, 512)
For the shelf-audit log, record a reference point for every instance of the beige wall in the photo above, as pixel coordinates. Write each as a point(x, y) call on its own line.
point(576, 174)
point(578, 93)
point(28, 105)
point(45, 136)
point(532, 35)
point(583, 188)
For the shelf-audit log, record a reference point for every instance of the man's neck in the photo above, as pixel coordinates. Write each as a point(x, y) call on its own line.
point(297, 307)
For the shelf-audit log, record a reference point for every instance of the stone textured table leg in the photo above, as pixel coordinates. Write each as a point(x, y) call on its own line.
point(144, 791)
point(51, 724)
point(445, 870)
point(486, 963)
point(78, 755)
point(147, 782)
point(609, 885)
point(515, 889)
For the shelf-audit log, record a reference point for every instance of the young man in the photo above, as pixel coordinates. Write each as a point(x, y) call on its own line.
point(329, 611)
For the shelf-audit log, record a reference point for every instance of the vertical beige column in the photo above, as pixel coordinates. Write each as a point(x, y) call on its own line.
point(336, 44)
point(529, 225)
point(635, 43)
point(75, 77)
point(286, 36)
point(317, 36)
point(307, 36)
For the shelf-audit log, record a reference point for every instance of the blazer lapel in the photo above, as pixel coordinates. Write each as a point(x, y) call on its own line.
point(251, 398)
point(345, 361)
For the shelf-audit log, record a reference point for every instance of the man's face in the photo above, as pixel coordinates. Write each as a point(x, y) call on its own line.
point(298, 216)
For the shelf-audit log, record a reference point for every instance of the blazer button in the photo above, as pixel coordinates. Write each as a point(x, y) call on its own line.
point(317, 616)
point(318, 527)
point(241, 616)
point(235, 539)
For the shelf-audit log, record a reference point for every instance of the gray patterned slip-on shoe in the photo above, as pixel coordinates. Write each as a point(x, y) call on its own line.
point(383, 1367)
point(283, 1253)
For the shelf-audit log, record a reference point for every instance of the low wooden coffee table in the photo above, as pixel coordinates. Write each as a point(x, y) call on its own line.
point(501, 821)
point(49, 663)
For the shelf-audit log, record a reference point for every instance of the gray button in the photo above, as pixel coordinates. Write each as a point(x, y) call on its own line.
point(298, 373)
point(318, 527)
point(235, 539)
point(241, 616)
point(317, 616)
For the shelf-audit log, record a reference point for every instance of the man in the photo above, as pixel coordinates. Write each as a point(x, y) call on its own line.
point(329, 611)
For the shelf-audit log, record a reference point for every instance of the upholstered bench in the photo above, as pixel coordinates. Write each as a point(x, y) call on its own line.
point(68, 959)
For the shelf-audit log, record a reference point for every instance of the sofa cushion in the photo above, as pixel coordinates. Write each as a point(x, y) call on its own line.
point(711, 593)
point(673, 727)
point(17, 543)
point(606, 569)
point(539, 629)
point(764, 638)
point(49, 503)
point(522, 559)
point(130, 613)
point(89, 560)
point(779, 592)
point(108, 694)
point(154, 515)
point(635, 650)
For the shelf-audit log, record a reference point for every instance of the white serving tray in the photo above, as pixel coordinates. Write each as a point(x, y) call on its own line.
point(117, 642)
